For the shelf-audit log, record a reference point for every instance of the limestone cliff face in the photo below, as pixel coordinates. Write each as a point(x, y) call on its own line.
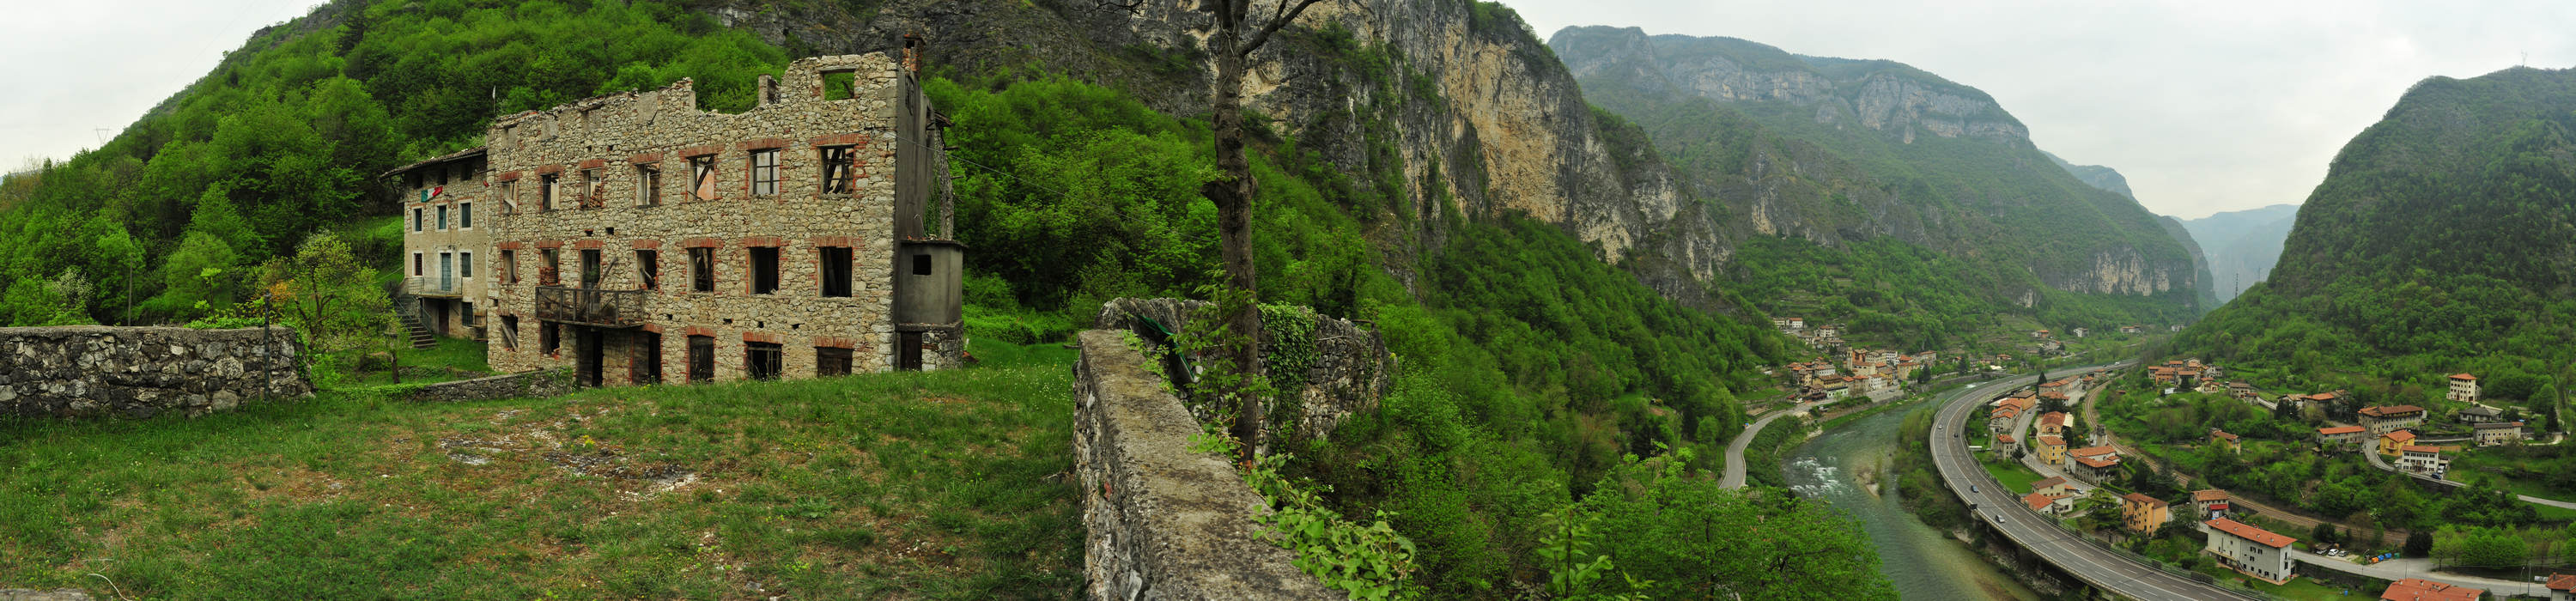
point(1843, 150)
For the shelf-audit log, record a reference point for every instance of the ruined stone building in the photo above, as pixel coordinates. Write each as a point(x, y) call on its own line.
point(637, 239)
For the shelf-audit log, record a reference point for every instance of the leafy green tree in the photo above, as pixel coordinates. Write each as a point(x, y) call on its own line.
point(203, 274)
point(329, 297)
point(1682, 536)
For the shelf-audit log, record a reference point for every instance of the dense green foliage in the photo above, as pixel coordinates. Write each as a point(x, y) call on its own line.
point(2438, 243)
point(1532, 371)
point(285, 138)
point(1968, 225)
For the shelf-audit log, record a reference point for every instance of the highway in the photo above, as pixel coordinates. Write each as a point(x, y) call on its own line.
point(2095, 565)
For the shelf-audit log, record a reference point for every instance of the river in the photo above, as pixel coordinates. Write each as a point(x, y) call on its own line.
point(1924, 563)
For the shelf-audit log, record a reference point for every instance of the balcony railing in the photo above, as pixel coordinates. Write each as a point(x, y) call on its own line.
point(430, 285)
point(612, 308)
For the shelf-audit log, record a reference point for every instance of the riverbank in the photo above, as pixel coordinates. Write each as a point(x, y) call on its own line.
point(1849, 465)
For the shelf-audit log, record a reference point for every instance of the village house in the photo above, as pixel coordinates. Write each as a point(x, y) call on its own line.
point(625, 233)
point(2418, 589)
point(2004, 445)
point(2048, 504)
point(2391, 417)
point(2052, 450)
point(2464, 388)
point(2391, 442)
point(2242, 391)
point(2095, 469)
point(2225, 440)
point(2340, 436)
point(2562, 587)
point(2002, 419)
point(2079, 332)
point(2132, 329)
point(440, 240)
point(2054, 423)
point(2142, 514)
point(2250, 551)
point(2420, 459)
point(2052, 485)
point(2496, 433)
point(2211, 503)
point(2479, 414)
point(2039, 333)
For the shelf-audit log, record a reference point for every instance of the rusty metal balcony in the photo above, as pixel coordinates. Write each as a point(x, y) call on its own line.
point(591, 306)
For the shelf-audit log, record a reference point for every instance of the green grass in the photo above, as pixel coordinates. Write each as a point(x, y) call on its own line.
point(2299, 588)
point(949, 484)
point(2015, 476)
point(467, 357)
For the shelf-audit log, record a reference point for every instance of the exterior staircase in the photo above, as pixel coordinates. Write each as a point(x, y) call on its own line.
point(407, 307)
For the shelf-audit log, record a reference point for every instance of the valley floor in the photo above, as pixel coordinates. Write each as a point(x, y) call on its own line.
point(947, 484)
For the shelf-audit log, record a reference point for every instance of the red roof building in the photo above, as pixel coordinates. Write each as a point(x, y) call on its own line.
point(2418, 589)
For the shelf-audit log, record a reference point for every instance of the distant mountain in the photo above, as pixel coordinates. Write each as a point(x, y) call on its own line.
point(1918, 199)
point(2242, 245)
point(2442, 239)
point(2095, 175)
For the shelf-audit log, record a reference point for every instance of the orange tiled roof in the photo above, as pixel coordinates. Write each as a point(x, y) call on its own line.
point(2391, 410)
point(2464, 377)
point(2051, 481)
point(2052, 441)
point(2562, 582)
point(2209, 495)
point(2040, 501)
point(2259, 535)
point(2400, 436)
point(2143, 500)
point(2098, 462)
point(2340, 430)
point(2418, 589)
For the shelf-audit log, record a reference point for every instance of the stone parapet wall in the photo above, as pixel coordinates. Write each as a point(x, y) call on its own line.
point(534, 384)
point(1351, 371)
point(1163, 521)
point(100, 371)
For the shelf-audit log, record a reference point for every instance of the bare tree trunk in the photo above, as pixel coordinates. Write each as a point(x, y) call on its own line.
point(1232, 193)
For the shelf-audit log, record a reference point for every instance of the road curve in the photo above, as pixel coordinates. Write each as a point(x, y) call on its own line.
point(2095, 565)
point(2370, 450)
point(1734, 477)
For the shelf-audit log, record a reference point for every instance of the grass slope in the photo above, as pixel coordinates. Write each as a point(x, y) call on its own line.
point(949, 484)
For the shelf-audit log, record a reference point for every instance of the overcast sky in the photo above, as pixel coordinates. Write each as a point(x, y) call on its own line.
point(76, 66)
point(2205, 106)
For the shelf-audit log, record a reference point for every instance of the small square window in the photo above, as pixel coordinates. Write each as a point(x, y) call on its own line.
point(921, 264)
point(840, 169)
point(648, 185)
point(831, 361)
point(762, 360)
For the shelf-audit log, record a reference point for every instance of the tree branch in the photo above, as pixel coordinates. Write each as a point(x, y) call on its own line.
point(1282, 18)
point(1133, 7)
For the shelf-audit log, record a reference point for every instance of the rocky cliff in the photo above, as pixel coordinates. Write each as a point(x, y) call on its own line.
point(1842, 149)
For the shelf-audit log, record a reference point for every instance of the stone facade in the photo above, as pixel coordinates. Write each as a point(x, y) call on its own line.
point(1163, 521)
point(1351, 370)
point(100, 371)
point(595, 217)
point(446, 237)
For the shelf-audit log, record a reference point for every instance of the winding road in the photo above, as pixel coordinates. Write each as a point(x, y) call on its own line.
point(1734, 477)
point(2096, 565)
point(2370, 450)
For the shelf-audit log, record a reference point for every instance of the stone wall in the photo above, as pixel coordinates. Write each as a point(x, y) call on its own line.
point(98, 371)
point(1352, 367)
point(534, 384)
point(1163, 521)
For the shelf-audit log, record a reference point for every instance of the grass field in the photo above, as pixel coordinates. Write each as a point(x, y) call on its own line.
point(949, 484)
point(2015, 476)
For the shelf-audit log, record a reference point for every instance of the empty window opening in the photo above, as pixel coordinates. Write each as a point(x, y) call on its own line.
point(509, 197)
point(702, 358)
point(594, 189)
point(548, 340)
point(510, 332)
point(510, 266)
point(840, 85)
point(590, 268)
point(764, 172)
point(836, 270)
point(702, 177)
point(831, 361)
point(547, 187)
point(764, 269)
point(648, 268)
point(921, 264)
point(762, 360)
point(702, 270)
point(648, 185)
point(415, 264)
point(840, 169)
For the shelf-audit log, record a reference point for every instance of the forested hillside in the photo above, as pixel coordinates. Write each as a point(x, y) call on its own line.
point(1544, 333)
point(1918, 200)
point(2442, 240)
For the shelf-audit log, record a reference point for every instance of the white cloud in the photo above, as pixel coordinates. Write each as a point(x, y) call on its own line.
point(77, 66)
point(2205, 106)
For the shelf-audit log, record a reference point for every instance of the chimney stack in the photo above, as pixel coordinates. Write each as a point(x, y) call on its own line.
point(768, 90)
